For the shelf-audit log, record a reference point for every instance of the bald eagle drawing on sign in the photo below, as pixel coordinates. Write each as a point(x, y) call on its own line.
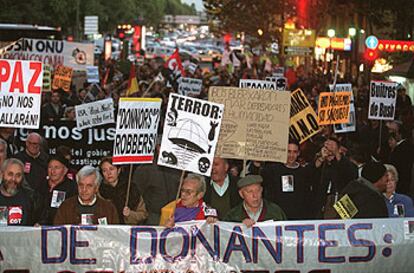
point(190, 135)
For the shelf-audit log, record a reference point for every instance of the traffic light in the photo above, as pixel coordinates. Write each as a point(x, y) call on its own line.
point(370, 55)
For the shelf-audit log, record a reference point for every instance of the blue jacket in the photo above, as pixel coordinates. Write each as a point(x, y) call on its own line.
point(400, 199)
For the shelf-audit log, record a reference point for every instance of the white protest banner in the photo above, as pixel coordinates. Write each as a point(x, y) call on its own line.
point(351, 125)
point(52, 52)
point(191, 131)
point(136, 130)
point(327, 246)
point(303, 119)
point(20, 93)
point(92, 74)
point(255, 123)
point(257, 84)
point(382, 100)
point(95, 113)
point(190, 86)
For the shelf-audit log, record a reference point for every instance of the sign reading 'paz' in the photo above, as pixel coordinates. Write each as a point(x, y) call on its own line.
point(255, 123)
point(191, 132)
point(334, 107)
point(303, 119)
point(20, 93)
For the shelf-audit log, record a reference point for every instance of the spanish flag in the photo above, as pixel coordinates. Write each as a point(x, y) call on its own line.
point(133, 86)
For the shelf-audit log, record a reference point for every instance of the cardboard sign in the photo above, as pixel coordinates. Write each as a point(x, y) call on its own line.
point(351, 125)
point(382, 100)
point(257, 84)
point(52, 52)
point(255, 124)
point(303, 119)
point(92, 73)
point(334, 107)
point(95, 113)
point(47, 78)
point(190, 87)
point(191, 131)
point(136, 130)
point(20, 93)
point(62, 78)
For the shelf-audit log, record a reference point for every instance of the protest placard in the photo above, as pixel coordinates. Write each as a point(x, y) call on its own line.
point(382, 100)
point(351, 125)
point(333, 107)
point(190, 135)
point(95, 113)
point(190, 86)
point(92, 74)
point(257, 84)
point(20, 93)
point(281, 82)
point(136, 130)
point(303, 119)
point(47, 78)
point(62, 78)
point(52, 52)
point(255, 123)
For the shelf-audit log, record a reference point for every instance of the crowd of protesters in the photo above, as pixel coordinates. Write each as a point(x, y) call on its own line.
point(44, 189)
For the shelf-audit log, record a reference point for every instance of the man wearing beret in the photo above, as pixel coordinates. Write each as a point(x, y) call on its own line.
point(56, 189)
point(254, 208)
point(363, 197)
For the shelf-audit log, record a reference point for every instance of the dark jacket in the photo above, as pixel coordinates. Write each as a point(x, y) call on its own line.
point(35, 169)
point(366, 198)
point(68, 213)
point(272, 212)
point(235, 198)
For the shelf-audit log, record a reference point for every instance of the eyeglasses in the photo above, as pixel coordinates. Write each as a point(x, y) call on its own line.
point(188, 191)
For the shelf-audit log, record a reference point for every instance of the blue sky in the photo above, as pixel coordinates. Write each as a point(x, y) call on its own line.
point(198, 3)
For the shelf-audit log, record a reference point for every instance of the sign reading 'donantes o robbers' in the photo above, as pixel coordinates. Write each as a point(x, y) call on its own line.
point(382, 100)
point(255, 123)
point(20, 93)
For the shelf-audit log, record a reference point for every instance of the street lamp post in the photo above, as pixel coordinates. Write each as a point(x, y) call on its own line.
point(352, 32)
point(331, 34)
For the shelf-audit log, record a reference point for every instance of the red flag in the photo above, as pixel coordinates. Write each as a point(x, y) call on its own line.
point(174, 63)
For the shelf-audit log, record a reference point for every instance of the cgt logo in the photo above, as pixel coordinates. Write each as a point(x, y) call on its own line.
point(15, 215)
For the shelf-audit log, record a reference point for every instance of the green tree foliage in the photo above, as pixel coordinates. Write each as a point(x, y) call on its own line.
point(64, 13)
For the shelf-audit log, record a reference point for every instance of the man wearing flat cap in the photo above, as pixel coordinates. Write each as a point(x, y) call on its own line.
point(363, 197)
point(254, 208)
point(56, 189)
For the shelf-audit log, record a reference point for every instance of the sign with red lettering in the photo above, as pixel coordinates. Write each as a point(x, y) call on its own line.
point(20, 93)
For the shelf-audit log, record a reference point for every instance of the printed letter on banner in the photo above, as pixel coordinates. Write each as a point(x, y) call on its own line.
point(136, 130)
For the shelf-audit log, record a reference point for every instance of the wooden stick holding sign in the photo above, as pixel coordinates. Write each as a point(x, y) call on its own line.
point(129, 185)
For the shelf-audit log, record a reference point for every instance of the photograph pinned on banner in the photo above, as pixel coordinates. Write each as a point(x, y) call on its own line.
point(351, 125)
point(257, 84)
point(95, 113)
point(20, 93)
point(136, 130)
point(191, 131)
point(382, 100)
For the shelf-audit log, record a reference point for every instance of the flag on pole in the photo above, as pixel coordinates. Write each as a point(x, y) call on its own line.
point(174, 64)
point(133, 86)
